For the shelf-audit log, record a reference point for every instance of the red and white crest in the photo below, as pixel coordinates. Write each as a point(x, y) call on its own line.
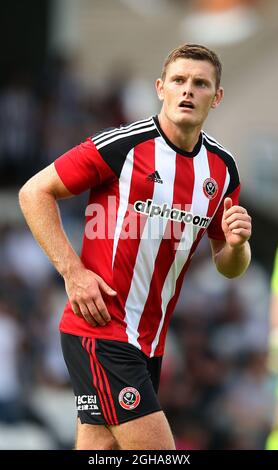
point(210, 188)
point(129, 398)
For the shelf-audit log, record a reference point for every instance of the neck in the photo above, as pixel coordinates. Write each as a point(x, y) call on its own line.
point(183, 137)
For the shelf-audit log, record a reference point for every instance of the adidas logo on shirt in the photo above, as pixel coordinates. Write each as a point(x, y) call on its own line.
point(155, 177)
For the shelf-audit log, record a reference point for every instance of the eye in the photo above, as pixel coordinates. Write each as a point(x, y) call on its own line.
point(201, 83)
point(179, 81)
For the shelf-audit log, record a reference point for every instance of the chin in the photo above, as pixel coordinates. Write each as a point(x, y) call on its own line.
point(185, 120)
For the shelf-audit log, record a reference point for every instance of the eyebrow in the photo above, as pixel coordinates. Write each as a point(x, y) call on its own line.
point(179, 75)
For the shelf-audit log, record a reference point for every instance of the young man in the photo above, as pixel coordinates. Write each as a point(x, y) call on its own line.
point(171, 183)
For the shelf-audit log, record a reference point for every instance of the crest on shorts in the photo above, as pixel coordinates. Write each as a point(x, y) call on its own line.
point(129, 398)
point(210, 188)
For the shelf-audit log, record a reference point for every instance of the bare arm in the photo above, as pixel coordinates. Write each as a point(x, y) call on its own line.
point(229, 261)
point(38, 201)
point(233, 255)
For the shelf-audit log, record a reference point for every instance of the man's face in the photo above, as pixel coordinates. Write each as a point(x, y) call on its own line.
point(188, 92)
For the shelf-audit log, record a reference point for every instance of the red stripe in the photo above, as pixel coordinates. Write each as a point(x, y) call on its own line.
point(151, 317)
point(105, 204)
point(99, 196)
point(82, 167)
point(95, 380)
point(98, 367)
point(108, 391)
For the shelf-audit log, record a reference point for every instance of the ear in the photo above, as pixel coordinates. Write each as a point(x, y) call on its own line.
point(159, 89)
point(218, 97)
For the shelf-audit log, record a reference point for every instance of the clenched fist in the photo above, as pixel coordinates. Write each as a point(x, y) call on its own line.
point(236, 224)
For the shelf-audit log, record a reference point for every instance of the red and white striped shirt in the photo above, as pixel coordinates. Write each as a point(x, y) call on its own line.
point(156, 201)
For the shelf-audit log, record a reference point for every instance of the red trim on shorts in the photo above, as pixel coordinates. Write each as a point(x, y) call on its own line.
point(87, 347)
point(98, 368)
point(108, 391)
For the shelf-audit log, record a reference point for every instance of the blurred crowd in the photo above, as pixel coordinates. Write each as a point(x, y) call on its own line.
point(43, 115)
point(215, 387)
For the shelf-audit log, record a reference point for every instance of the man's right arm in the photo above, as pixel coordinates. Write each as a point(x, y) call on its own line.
point(38, 201)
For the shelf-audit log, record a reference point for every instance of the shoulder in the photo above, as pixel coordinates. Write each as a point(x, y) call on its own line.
point(225, 155)
point(115, 144)
point(129, 133)
point(214, 146)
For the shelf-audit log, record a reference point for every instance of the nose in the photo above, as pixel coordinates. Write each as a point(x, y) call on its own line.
point(188, 91)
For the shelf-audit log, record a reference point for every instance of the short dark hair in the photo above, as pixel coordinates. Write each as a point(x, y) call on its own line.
point(195, 52)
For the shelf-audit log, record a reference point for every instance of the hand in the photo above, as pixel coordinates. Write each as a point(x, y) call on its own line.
point(84, 289)
point(236, 224)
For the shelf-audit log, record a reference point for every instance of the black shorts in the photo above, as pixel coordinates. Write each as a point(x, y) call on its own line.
point(113, 381)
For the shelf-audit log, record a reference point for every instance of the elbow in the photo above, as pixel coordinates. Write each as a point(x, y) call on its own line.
point(22, 194)
point(25, 193)
point(32, 193)
point(225, 273)
point(231, 273)
point(29, 193)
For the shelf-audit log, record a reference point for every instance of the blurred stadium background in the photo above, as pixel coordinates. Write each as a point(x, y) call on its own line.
point(68, 69)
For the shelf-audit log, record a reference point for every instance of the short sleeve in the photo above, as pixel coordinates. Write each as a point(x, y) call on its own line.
point(215, 230)
point(83, 167)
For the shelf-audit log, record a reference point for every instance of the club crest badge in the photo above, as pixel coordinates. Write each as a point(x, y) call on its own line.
point(210, 188)
point(129, 398)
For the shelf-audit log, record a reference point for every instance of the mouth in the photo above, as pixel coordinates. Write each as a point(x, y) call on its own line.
point(186, 104)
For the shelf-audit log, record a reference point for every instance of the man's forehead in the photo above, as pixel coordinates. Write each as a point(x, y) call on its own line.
point(185, 66)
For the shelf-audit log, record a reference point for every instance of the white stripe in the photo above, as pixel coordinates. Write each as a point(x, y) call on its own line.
point(121, 132)
point(124, 190)
point(199, 205)
point(165, 164)
point(122, 136)
point(107, 134)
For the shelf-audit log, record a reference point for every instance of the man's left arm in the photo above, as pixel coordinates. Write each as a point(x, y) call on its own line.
point(232, 256)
